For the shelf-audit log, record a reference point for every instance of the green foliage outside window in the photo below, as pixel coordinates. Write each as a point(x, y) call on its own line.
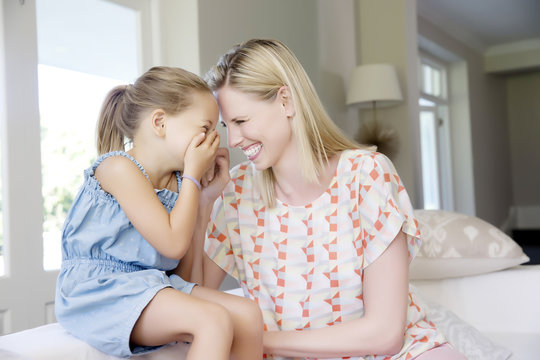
point(64, 159)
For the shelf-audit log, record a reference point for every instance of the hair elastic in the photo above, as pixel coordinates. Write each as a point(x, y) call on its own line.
point(192, 179)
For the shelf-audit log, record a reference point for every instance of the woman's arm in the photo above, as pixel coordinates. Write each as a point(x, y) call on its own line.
point(380, 331)
point(191, 266)
point(196, 266)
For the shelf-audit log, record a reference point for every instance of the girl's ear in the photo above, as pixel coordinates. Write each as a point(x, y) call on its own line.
point(158, 122)
point(284, 97)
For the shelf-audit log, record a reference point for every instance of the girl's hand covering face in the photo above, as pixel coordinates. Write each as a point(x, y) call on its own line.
point(215, 179)
point(201, 154)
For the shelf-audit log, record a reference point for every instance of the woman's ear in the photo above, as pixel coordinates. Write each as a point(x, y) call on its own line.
point(158, 122)
point(284, 96)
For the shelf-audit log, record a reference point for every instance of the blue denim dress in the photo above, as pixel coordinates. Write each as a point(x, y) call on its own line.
point(109, 272)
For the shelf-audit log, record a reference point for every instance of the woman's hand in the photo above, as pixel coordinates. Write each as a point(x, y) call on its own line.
point(215, 179)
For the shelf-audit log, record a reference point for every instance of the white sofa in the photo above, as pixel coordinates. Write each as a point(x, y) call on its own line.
point(504, 306)
point(467, 273)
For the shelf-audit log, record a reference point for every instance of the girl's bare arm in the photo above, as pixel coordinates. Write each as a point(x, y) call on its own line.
point(169, 233)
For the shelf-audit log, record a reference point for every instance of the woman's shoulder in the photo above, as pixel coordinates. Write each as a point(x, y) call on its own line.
point(364, 159)
point(242, 181)
point(242, 171)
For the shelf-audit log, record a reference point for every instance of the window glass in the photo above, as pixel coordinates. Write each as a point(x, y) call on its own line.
point(430, 168)
point(432, 80)
point(437, 84)
point(427, 77)
point(85, 48)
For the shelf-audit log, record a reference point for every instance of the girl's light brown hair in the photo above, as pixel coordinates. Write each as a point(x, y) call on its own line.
point(167, 88)
point(261, 67)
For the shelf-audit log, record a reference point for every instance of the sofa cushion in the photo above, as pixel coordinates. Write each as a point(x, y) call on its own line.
point(455, 245)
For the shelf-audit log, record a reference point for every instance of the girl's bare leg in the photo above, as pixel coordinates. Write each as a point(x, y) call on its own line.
point(173, 315)
point(247, 322)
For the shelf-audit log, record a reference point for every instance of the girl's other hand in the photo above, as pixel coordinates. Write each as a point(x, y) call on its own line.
point(201, 153)
point(216, 178)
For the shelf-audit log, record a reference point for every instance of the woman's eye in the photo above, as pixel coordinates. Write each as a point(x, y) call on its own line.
point(223, 124)
point(206, 129)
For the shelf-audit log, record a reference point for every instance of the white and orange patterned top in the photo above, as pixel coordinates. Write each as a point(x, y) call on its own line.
point(304, 264)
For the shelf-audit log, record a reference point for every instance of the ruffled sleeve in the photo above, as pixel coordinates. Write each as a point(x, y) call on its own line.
point(384, 208)
point(218, 241)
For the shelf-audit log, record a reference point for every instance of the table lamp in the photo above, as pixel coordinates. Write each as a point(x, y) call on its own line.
point(372, 86)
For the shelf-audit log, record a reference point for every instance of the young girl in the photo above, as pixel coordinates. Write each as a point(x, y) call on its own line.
point(134, 219)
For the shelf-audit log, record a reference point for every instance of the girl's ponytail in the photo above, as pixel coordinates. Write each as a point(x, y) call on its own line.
point(110, 136)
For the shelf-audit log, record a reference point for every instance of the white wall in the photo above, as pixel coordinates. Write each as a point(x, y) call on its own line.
point(524, 129)
point(175, 33)
point(460, 128)
point(337, 56)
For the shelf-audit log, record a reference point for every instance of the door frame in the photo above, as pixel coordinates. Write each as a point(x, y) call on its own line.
point(27, 290)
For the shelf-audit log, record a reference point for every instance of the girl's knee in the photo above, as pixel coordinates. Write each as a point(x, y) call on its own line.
point(251, 314)
point(216, 317)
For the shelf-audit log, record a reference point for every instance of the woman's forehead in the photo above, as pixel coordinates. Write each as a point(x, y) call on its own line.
point(233, 102)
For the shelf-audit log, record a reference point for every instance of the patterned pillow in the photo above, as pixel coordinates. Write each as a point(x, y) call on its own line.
point(455, 244)
point(461, 335)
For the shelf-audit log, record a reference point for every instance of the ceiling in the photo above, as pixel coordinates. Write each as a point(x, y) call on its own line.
point(485, 24)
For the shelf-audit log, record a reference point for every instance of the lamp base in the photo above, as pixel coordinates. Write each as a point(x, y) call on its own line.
point(384, 138)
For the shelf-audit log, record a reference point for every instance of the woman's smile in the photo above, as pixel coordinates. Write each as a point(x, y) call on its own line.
point(252, 151)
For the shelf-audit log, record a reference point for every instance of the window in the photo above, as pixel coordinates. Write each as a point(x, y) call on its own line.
point(434, 135)
point(76, 69)
point(68, 120)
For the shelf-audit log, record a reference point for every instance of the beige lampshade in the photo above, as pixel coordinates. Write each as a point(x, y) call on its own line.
point(374, 82)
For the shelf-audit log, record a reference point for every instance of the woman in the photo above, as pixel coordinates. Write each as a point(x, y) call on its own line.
point(318, 230)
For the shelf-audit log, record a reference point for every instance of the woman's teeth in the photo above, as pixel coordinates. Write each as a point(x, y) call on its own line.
point(252, 150)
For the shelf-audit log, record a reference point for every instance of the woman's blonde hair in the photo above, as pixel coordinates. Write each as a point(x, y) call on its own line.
point(261, 67)
point(167, 88)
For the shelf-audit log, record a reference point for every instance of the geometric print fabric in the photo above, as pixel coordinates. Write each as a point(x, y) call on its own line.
point(304, 265)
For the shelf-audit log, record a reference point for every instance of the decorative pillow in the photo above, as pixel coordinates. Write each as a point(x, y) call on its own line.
point(455, 244)
point(464, 337)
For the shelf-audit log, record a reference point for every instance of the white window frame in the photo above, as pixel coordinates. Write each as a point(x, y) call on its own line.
point(27, 290)
point(446, 196)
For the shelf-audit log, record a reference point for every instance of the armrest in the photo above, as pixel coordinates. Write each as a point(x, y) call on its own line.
point(502, 301)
